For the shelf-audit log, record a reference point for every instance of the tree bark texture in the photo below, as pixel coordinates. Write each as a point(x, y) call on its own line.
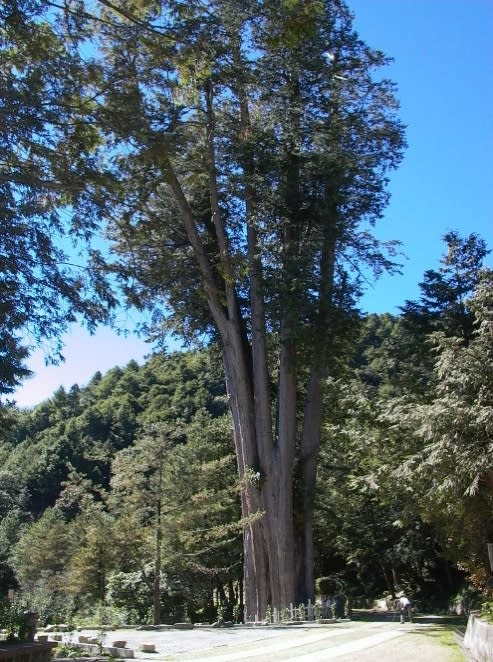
point(266, 461)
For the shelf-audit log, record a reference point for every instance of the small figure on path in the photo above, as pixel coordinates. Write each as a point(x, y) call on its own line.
point(339, 602)
point(404, 606)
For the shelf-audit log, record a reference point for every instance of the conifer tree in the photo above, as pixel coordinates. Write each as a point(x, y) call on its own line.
point(247, 147)
point(454, 464)
point(46, 152)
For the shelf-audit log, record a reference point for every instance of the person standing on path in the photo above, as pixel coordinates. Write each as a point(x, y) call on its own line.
point(404, 606)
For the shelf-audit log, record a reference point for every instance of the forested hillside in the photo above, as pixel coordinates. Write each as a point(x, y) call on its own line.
point(220, 167)
point(100, 483)
point(407, 461)
point(120, 499)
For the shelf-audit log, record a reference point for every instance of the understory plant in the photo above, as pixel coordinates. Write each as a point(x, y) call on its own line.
point(13, 620)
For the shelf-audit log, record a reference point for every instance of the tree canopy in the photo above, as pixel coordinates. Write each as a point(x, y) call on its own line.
point(46, 162)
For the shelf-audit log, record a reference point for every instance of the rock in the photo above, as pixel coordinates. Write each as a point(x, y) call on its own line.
point(183, 626)
point(118, 652)
point(223, 624)
point(148, 648)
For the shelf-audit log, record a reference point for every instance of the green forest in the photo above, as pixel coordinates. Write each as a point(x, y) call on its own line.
point(104, 486)
point(219, 167)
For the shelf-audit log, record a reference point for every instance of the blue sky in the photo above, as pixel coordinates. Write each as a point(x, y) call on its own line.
point(443, 66)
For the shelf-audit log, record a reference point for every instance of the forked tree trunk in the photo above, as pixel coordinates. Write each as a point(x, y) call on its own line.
point(267, 473)
point(265, 464)
point(313, 410)
point(310, 444)
point(275, 458)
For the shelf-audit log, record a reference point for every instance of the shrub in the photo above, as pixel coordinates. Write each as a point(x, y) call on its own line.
point(13, 620)
point(487, 611)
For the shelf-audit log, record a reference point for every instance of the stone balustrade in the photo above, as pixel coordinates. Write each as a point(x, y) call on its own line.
point(28, 652)
point(478, 639)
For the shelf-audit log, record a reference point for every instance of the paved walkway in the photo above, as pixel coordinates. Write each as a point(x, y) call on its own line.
point(347, 641)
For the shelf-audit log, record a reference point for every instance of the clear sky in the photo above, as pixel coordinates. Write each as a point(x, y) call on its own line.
point(443, 66)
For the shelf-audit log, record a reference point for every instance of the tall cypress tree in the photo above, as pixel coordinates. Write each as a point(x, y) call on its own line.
point(248, 144)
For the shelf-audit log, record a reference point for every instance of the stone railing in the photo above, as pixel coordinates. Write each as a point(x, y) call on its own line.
point(28, 652)
point(478, 640)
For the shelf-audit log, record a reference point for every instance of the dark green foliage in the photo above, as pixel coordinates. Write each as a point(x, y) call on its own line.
point(131, 592)
point(13, 620)
point(65, 530)
point(454, 466)
point(82, 429)
point(405, 475)
point(179, 482)
point(445, 292)
point(45, 151)
point(13, 513)
point(369, 530)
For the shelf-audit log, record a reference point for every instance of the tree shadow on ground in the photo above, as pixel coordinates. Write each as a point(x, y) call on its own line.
point(394, 616)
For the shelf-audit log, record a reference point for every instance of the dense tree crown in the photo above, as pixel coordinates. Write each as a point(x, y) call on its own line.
point(42, 169)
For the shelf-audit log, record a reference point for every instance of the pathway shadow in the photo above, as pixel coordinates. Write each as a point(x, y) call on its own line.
point(374, 615)
point(386, 616)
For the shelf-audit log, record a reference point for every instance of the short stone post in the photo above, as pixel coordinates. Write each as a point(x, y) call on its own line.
point(29, 625)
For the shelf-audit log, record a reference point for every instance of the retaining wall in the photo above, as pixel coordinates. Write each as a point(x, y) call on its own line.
point(478, 640)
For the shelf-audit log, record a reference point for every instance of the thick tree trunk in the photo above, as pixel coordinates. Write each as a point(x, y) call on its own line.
point(285, 455)
point(256, 566)
point(313, 411)
point(268, 541)
point(275, 466)
point(310, 444)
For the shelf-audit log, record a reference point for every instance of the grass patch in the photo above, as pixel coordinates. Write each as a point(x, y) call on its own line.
point(444, 635)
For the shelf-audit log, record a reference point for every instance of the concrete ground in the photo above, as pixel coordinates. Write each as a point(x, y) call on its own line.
point(345, 641)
